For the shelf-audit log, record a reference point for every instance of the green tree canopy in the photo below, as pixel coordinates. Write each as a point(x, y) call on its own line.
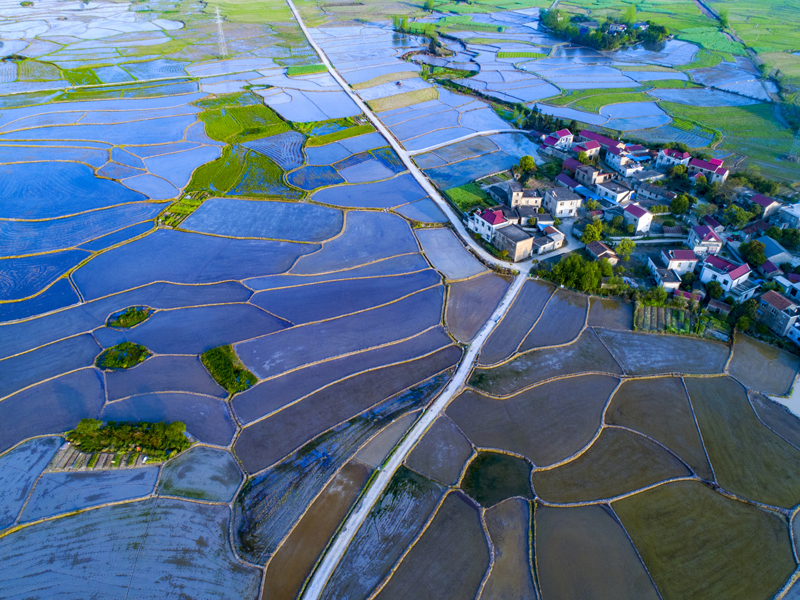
point(592, 232)
point(527, 164)
point(680, 205)
point(625, 248)
point(753, 252)
point(714, 289)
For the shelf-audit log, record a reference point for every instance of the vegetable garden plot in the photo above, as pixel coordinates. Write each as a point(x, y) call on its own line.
point(441, 453)
point(265, 219)
point(546, 424)
point(643, 354)
point(207, 419)
point(660, 409)
point(470, 303)
point(286, 148)
point(51, 407)
point(201, 473)
point(763, 367)
point(27, 276)
point(332, 299)
point(447, 254)
point(384, 194)
point(295, 559)
point(610, 314)
point(59, 295)
point(19, 237)
point(47, 190)
point(311, 178)
point(390, 527)
point(618, 462)
point(763, 467)
point(299, 346)
point(163, 557)
point(696, 542)
point(163, 374)
point(586, 354)
point(273, 394)
point(59, 493)
point(299, 423)
point(561, 322)
point(583, 552)
point(396, 265)
point(367, 237)
point(43, 363)
point(274, 500)
point(516, 323)
point(508, 524)
point(19, 469)
point(424, 211)
point(184, 258)
point(450, 558)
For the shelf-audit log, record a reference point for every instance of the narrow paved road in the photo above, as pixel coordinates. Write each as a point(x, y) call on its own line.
point(464, 138)
point(429, 188)
point(381, 481)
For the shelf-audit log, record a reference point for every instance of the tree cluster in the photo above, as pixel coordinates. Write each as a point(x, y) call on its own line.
point(155, 439)
point(753, 252)
point(574, 271)
point(602, 38)
point(788, 238)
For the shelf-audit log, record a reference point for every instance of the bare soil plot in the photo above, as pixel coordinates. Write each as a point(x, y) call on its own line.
point(546, 424)
point(699, 544)
point(763, 367)
point(777, 417)
point(582, 552)
point(510, 579)
point(518, 320)
point(390, 527)
point(492, 477)
point(660, 409)
point(265, 442)
point(587, 354)
point(644, 354)
point(441, 453)
point(561, 322)
point(448, 561)
point(202, 473)
point(375, 452)
point(617, 463)
point(748, 458)
point(610, 313)
point(292, 563)
point(470, 303)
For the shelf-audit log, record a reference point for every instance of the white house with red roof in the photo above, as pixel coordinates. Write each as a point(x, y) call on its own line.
point(680, 261)
point(639, 217)
point(667, 157)
point(560, 140)
point(731, 276)
point(768, 206)
point(704, 240)
point(591, 148)
point(712, 169)
point(605, 142)
point(486, 223)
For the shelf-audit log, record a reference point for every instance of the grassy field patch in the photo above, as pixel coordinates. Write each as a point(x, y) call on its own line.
point(404, 99)
point(520, 55)
point(81, 76)
point(122, 356)
point(387, 78)
point(239, 117)
point(227, 370)
point(702, 60)
point(468, 197)
point(129, 317)
point(335, 136)
point(576, 95)
point(595, 103)
point(711, 38)
point(305, 70)
point(492, 477)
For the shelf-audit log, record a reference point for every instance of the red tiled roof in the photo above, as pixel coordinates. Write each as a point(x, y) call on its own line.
point(769, 267)
point(705, 233)
point(793, 277)
point(776, 300)
point(598, 248)
point(733, 271)
point(719, 305)
point(493, 217)
point(762, 200)
point(563, 133)
point(571, 164)
point(590, 145)
point(567, 181)
point(716, 161)
point(615, 151)
point(711, 222)
point(676, 154)
point(673, 229)
point(721, 171)
point(684, 255)
point(704, 164)
point(601, 139)
point(636, 211)
point(738, 272)
point(550, 141)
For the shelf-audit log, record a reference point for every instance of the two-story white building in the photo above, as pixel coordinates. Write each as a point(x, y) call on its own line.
point(732, 277)
point(667, 157)
point(680, 261)
point(711, 169)
point(562, 202)
point(704, 240)
point(560, 140)
point(639, 217)
point(621, 162)
point(486, 223)
point(614, 190)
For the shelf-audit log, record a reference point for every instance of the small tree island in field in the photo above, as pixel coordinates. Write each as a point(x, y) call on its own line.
point(157, 440)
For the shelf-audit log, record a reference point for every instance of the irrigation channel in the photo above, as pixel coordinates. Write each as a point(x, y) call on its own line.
point(379, 484)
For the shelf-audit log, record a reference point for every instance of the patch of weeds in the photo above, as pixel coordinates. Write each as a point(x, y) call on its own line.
point(227, 370)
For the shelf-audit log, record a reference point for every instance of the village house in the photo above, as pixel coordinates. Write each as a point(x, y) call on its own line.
point(777, 312)
point(570, 165)
point(591, 176)
point(511, 193)
point(605, 142)
point(655, 193)
point(774, 251)
point(769, 270)
point(617, 28)
point(667, 157)
point(718, 307)
point(711, 169)
point(639, 217)
point(590, 148)
point(560, 140)
point(732, 277)
point(768, 206)
point(561, 202)
point(790, 215)
point(622, 163)
point(615, 191)
point(704, 240)
point(514, 240)
point(715, 225)
point(485, 223)
point(597, 250)
point(680, 261)
point(665, 277)
point(754, 230)
point(563, 180)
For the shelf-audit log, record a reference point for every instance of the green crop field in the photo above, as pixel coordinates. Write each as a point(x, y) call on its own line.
point(520, 55)
point(711, 38)
point(763, 25)
point(577, 95)
point(305, 70)
point(595, 103)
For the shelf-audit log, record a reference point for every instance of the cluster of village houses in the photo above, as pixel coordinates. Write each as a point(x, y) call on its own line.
point(625, 190)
